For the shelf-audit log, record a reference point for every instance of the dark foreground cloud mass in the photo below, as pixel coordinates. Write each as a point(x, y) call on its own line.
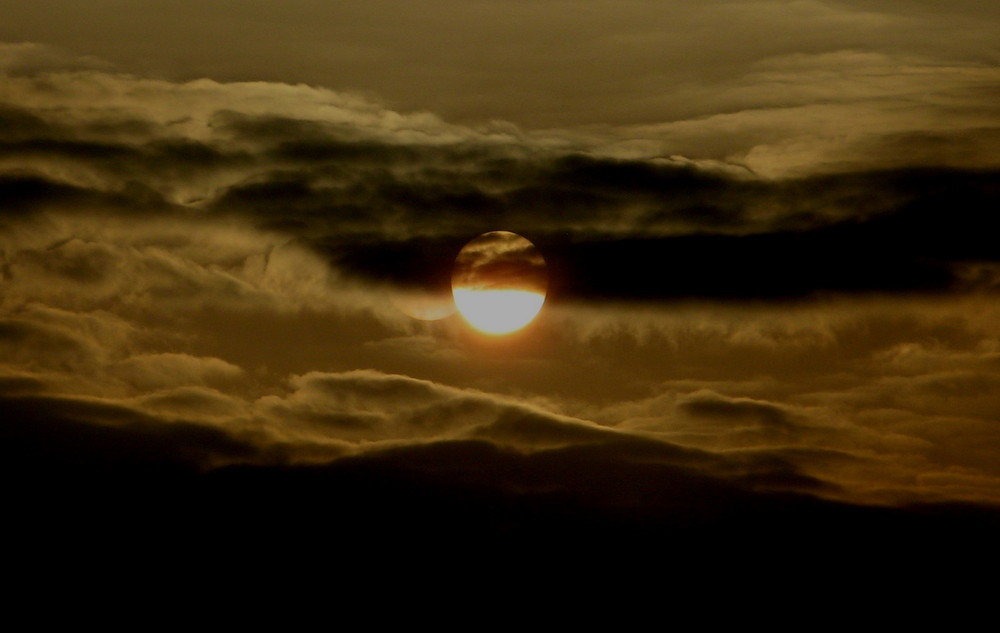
point(205, 313)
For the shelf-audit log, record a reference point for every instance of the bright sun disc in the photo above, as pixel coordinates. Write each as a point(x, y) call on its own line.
point(498, 311)
point(499, 282)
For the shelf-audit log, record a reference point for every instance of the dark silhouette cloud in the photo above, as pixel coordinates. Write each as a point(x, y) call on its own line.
point(924, 225)
point(450, 495)
point(24, 193)
point(42, 433)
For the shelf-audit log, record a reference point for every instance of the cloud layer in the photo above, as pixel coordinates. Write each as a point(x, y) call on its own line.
point(202, 281)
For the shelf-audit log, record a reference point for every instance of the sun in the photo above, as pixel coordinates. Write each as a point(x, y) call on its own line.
point(499, 282)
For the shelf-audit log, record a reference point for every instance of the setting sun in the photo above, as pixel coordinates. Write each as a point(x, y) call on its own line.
point(499, 282)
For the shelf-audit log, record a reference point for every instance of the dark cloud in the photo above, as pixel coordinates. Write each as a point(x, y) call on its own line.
point(30, 343)
point(888, 232)
point(25, 193)
point(18, 124)
point(425, 262)
point(454, 496)
point(62, 435)
point(20, 385)
point(84, 151)
point(75, 260)
point(712, 406)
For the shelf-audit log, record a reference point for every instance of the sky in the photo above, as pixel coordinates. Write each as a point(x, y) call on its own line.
point(767, 227)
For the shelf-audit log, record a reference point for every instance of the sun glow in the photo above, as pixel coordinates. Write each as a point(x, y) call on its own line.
point(498, 311)
point(424, 306)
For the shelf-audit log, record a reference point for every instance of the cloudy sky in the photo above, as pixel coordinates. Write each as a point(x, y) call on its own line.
point(768, 228)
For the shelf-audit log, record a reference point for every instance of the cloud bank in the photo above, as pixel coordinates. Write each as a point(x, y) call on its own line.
point(201, 280)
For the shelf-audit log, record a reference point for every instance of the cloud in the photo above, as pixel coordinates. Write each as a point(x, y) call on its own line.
point(369, 406)
point(203, 273)
point(150, 371)
point(707, 405)
point(93, 261)
point(85, 434)
point(195, 403)
point(391, 198)
point(835, 111)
